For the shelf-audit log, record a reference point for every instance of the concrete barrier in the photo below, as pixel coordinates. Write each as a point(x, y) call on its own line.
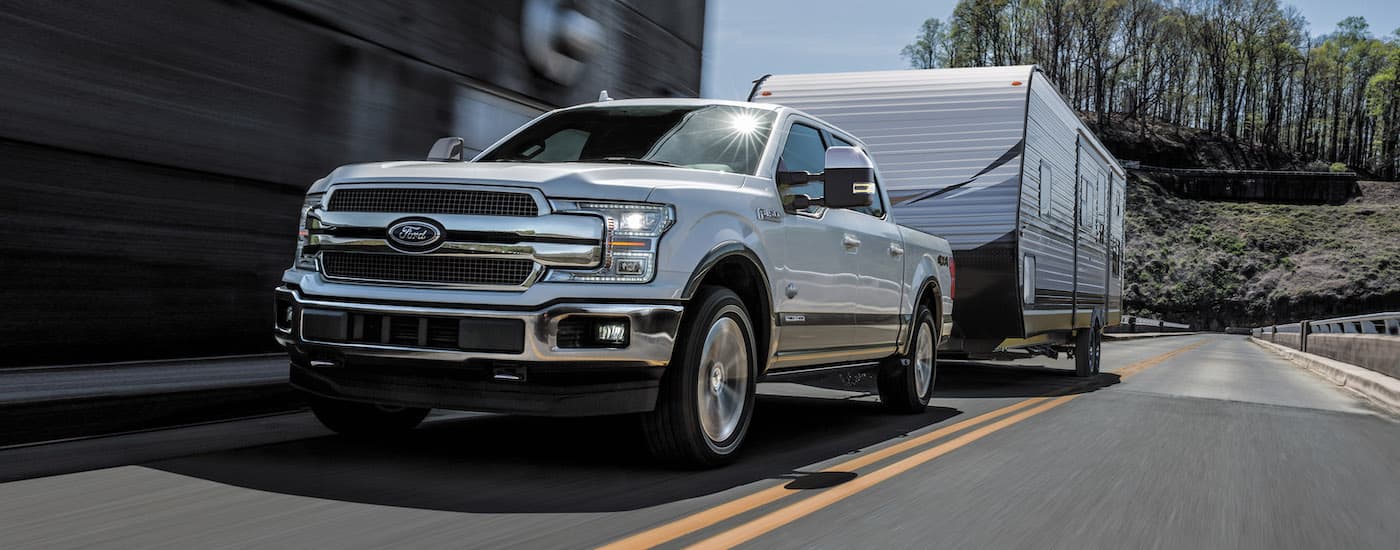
point(1375, 352)
point(1374, 386)
point(1370, 341)
point(1290, 335)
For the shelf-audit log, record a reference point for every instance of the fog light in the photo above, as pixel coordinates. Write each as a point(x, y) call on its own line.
point(283, 313)
point(629, 267)
point(610, 332)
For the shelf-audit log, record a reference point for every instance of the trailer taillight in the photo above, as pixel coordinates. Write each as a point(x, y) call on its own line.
point(952, 278)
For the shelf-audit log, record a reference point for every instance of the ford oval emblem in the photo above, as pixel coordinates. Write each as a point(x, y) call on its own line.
point(415, 235)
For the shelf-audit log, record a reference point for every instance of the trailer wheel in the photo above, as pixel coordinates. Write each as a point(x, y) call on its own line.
point(364, 419)
point(707, 392)
point(906, 381)
point(1088, 347)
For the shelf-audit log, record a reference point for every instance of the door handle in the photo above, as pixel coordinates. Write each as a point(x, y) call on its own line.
point(850, 241)
point(896, 250)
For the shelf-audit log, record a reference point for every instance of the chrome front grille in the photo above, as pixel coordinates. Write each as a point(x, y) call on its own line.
point(433, 201)
point(427, 269)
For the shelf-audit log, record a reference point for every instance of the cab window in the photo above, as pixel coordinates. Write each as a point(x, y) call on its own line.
point(803, 150)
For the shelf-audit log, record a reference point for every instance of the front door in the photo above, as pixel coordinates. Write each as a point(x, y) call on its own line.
point(819, 278)
point(880, 261)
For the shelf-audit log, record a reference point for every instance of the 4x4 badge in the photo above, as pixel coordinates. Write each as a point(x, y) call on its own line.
point(768, 215)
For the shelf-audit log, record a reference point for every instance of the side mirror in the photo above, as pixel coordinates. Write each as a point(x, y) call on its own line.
point(447, 149)
point(849, 178)
point(796, 178)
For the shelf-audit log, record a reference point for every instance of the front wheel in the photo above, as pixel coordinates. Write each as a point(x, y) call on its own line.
point(707, 393)
point(906, 381)
point(364, 419)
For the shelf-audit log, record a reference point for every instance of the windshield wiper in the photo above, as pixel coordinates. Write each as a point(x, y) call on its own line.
point(630, 160)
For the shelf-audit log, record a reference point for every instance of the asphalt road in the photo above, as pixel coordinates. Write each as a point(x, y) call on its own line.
point(50, 403)
point(1188, 442)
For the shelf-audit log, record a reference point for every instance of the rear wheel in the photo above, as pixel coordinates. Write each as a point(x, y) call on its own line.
point(1088, 347)
point(906, 381)
point(364, 419)
point(707, 393)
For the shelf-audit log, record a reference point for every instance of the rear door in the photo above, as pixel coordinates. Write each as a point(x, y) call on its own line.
point(880, 263)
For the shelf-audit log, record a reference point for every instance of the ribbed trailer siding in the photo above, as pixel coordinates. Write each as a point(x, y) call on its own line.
point(948, 145)
point(1087, 189)
point(960, 152)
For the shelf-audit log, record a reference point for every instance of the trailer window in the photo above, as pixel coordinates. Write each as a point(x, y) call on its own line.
point(1046, 188)
point(1082, 214)
point(1101, 209)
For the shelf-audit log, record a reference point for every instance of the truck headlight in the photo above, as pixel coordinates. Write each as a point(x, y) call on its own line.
point(303, 259)
point(629, 244)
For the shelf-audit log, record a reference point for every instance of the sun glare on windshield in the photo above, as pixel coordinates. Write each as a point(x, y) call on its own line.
point(744, 123)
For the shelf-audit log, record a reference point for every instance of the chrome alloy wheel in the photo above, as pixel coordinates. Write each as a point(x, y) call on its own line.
point(923, 360)
point(722, 390)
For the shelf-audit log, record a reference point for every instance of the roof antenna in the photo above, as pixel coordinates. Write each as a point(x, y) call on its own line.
point(603, 96)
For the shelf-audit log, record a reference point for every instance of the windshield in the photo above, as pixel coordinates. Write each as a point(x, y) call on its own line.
point(723, 138)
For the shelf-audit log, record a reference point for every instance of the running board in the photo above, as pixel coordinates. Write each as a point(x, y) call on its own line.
point(817, 370)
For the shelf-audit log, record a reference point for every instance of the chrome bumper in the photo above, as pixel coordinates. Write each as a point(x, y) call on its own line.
point(653, 329)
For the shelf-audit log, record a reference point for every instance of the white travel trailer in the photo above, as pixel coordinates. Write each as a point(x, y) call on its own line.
point(995, 161)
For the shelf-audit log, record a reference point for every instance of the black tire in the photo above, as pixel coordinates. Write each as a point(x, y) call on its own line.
point(675, 432)
point(899, 378)
point(1088, 348)
point(364, 419)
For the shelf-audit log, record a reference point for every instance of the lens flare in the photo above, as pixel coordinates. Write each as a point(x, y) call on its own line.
point(744, 123)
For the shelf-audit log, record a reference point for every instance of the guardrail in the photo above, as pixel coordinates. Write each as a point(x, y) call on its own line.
point(1257, 173)
point(1371, 341)
point(1132, 324)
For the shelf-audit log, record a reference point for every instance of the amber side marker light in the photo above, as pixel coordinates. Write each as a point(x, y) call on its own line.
point(1015, 82)
point(627, 243)
point(766, 93)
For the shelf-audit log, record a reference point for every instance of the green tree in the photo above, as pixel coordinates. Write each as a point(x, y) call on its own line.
point(930, 48)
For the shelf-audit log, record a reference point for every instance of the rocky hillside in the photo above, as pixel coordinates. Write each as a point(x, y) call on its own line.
point(1160, 144)
point(1217, 264)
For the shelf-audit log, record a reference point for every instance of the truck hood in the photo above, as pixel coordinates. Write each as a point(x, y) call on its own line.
point(621, 182)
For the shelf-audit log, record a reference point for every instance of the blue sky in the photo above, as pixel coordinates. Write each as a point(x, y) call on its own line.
point(746, 38)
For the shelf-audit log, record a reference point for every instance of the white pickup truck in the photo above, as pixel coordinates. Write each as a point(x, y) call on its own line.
point(658, 257)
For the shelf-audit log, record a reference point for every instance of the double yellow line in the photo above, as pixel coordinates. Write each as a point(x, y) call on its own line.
point(1008, 416)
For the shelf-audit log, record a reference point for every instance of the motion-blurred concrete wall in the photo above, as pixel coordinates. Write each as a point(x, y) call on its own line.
point(153, 154)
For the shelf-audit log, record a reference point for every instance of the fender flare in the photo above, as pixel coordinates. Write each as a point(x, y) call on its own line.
point(768, 327)
point(718, 254)
point(930, 285)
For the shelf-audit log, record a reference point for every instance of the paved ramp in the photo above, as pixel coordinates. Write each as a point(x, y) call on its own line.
point(1191, 441)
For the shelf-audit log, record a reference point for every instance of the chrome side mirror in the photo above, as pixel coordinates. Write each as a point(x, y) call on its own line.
point(848, 178)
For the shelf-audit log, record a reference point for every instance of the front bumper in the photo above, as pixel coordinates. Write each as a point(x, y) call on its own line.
point(525, 370)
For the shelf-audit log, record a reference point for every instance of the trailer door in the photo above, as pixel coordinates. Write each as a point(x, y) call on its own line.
point(1091, 256)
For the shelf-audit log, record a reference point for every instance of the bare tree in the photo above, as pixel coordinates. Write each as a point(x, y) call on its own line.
point(930, 48)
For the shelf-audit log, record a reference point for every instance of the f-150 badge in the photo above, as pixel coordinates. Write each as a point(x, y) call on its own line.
point(768, 215)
